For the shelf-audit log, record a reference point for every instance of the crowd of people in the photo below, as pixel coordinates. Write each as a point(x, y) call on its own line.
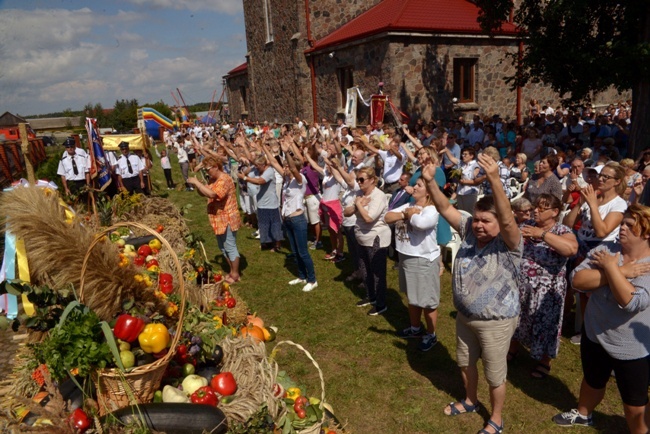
point(578, 230)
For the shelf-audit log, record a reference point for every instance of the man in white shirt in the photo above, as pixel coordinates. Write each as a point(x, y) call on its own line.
point(394, 160)
point(129, 170)
point(74, 168)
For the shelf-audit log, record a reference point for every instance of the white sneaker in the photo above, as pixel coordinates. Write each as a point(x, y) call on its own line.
point(297, 281)
point(310, 286)
point(256, 235)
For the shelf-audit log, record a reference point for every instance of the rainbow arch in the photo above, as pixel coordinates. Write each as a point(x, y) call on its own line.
point(153, 120)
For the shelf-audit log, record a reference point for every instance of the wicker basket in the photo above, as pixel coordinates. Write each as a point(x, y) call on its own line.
point(315, 428)
point(117, 389)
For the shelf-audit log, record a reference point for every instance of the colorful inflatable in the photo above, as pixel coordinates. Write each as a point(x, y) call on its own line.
point(153, 120)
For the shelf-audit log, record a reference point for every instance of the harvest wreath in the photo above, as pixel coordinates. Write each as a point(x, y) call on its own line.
point(126, 328)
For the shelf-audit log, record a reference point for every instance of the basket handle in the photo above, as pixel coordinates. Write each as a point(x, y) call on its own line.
point(181, 309)
point(314, 362)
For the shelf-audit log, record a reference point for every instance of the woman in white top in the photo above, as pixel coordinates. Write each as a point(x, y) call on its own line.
point(293, 216)
point(467, 192)
point(601, 214)
point(373, 235)
point(419, 262)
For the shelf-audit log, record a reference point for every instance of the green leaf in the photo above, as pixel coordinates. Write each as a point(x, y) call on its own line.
point(110, 339)
point(67, 311)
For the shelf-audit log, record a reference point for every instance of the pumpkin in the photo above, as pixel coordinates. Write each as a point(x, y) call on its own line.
point(255, 320)
point(254, 331)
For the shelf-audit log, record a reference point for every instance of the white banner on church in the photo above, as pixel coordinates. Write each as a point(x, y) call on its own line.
point(351, 108)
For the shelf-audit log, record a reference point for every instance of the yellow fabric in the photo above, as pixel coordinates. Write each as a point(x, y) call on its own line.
point(23, 273)
point(69, 214)
point(112, 141)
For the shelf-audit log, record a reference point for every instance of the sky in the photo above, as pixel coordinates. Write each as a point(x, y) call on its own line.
point(64, 54)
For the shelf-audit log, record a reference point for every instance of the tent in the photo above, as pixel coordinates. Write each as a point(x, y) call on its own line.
point(207, 119)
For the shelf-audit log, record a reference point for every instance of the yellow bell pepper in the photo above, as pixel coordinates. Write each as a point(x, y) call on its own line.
point(154, 338)
point(293, 393)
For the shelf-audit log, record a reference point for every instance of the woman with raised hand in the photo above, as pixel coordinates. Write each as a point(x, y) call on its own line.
point(485, 290)
point(616, 325)
point(268, 203)
point(330, 205)
point(373, 234)
point(542, 288)
point(419, 263)
point(293, 215)
point(222, 211)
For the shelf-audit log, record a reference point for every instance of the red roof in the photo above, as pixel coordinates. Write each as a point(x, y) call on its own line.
point(439, 16)
point(239, 70)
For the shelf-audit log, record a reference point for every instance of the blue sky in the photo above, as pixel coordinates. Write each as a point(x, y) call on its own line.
point(60, 54)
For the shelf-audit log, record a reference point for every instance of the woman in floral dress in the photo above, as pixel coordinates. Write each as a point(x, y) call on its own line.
point(542, 288)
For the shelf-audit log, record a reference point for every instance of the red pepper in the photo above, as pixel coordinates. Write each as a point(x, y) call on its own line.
point(79, 420)
point(128, 327)
point(205, 395)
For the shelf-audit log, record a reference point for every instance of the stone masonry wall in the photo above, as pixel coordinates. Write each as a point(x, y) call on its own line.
point(273, 68)
point(328, 15)
point(236, 104)
point(419, 78)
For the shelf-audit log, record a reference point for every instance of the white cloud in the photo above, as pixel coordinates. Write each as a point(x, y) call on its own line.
point(224, 6)
point(138, 54)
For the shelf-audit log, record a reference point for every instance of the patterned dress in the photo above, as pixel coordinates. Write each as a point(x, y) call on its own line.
point(542, 287)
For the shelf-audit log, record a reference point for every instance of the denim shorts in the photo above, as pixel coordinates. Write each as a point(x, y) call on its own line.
point(228, 244)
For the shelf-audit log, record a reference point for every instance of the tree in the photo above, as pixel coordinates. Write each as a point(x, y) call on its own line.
point(581, 47)
point(125, 115)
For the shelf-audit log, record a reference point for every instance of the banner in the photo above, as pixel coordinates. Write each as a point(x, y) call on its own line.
point(351, 108)
point(99, 169)
point(377, 108)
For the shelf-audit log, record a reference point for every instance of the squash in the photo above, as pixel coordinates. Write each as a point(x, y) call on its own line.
point(269, 334)
point(255, 320)
point(254, 331)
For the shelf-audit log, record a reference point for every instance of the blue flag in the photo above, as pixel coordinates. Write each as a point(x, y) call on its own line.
point(99, 167)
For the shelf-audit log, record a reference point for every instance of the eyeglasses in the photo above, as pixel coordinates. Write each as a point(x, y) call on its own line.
point(542, 208)
point(607, 177)
point(361, 180)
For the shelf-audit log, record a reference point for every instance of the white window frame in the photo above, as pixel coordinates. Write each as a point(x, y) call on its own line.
point(267, 21)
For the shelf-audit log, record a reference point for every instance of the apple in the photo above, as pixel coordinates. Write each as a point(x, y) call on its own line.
point(129, 248)
point(120, 242)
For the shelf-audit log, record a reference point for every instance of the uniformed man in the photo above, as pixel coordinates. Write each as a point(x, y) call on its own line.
point(74, 168)
point(129, 170)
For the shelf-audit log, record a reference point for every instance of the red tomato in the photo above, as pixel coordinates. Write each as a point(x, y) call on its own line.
point(152, 262)
point(301, 413)
point(165, 278)
point(224, 384)
point(139, 260)
point(166, 288)
point(160, 228)
point(217, 277)
point(226, 294)
point(230, 303)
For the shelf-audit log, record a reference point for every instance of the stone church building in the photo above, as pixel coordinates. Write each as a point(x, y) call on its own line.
point(431, 55)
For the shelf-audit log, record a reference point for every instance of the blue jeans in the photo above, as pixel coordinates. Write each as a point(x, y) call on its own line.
point(296, 229)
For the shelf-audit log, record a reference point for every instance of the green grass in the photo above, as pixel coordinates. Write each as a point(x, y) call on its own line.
point(375, 381)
